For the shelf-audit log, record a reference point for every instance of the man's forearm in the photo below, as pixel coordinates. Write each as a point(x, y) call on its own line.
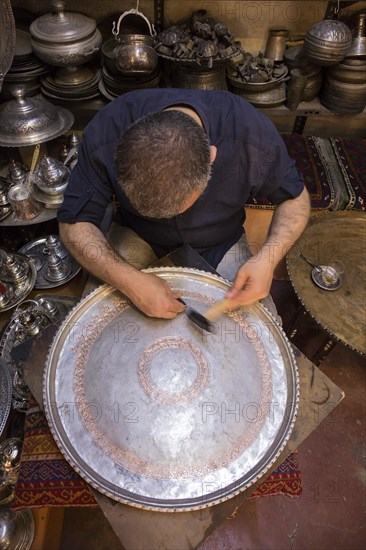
point(150, 294)
point(289, 221)
point(87, 244)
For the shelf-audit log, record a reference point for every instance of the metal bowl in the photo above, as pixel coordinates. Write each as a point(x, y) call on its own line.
point(64, 38)
point(327, 42)
point(255, 87)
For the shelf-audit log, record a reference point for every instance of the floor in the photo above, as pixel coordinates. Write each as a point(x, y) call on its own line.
point(330, 514)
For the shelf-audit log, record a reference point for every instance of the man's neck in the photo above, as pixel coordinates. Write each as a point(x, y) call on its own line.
point(188, 111)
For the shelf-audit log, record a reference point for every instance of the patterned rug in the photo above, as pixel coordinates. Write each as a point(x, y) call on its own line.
point(47, 479)
point(334, 171)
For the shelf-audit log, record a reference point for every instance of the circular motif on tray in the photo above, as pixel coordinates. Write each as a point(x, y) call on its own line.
point(178, 370)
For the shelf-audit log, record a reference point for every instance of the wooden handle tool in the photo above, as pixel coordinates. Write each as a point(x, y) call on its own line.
point(214, 312)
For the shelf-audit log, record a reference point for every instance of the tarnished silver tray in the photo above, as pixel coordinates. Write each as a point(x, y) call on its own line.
point(49, 308)
point(160, 415)
point(5, 394)
point(45, 215)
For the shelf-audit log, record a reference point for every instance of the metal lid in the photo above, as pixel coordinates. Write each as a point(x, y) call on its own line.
point(62, 26)
point(27, 121)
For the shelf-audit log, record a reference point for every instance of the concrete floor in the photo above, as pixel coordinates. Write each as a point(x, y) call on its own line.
point(330, 514)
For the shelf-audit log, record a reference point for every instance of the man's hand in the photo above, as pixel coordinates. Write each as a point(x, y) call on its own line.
point(153, 296)
point(252, 282)
point(254, 278)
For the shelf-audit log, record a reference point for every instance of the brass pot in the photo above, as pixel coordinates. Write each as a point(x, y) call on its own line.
point(343, 97)
point(210, 79)
point(348, 73)
point(265, 98)
point(313, 84)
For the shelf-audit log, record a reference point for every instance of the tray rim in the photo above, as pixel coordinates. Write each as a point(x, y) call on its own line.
point(185, 506)
point(8, 393)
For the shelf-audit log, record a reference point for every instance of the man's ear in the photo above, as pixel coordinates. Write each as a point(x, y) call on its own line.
point(213, 153)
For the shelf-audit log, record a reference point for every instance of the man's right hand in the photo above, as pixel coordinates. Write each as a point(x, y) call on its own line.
point(149, 293)
point(153, 296)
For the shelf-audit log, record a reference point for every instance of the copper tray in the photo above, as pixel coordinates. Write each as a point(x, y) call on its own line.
point(334, 236)
point(161, 416)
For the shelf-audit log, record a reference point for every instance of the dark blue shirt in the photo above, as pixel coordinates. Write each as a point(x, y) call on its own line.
point(251, 159)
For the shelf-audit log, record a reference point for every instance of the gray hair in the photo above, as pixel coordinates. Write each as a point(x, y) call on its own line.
point(161, 160)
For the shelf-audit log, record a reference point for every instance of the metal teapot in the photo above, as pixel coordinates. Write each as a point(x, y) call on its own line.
point(135, 53)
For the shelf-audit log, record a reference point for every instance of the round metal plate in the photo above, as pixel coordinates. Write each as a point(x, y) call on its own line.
point(334, 236)
point(34, 250)
point(161, 416)
point(5, 394)
point(318, 280)
point(45, 215)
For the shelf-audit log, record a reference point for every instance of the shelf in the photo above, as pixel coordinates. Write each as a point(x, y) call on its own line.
point(310, 108)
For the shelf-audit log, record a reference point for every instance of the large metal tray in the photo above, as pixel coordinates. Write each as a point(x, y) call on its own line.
point(160, 415)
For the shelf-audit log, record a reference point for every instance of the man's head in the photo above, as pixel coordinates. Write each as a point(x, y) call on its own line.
point(163, 163)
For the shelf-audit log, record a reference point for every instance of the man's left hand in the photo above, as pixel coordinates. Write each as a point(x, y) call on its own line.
point(252, 282)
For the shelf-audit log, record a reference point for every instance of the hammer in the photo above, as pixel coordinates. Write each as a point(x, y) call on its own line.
point(206, 321)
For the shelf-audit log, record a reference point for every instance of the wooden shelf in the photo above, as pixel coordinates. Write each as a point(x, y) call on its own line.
point(310, 108)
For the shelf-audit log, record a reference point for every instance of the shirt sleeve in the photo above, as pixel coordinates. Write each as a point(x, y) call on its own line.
point(280, 179)
point(89, 190)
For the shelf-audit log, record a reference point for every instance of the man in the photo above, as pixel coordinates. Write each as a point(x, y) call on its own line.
point(180, 164)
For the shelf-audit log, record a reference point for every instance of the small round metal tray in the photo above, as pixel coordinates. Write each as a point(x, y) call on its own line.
point(45, 215)
point(5, 394)
point(35, 251)
point(317, 278)
point(159, 415)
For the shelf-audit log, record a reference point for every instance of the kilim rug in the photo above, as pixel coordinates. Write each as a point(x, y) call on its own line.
point(334, 171)
point(47, 479)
